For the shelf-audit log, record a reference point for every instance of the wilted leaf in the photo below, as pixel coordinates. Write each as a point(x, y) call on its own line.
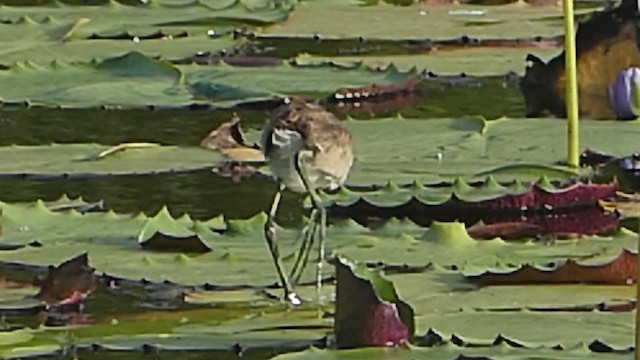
point(227, 135)
point(368, 310)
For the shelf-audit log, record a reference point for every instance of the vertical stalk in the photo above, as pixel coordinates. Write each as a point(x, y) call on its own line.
point(636, 199)
point(571, 84)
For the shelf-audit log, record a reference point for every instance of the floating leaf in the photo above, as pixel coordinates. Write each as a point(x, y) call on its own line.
point(163, 232)
point(497, 352)
point(620, 270)
point(387, 21)
point(70, 159)
point(135, 80)
point(79, 33)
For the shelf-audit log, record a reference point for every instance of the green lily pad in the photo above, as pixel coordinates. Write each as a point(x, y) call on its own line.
point(448, 352)
point(134, 80)
point(73, 159)
point(163, 232)
point(418, 21)
point(469, 148)
point(240, 255)
point(473, 61)
point(196, 330)
point(14, 337)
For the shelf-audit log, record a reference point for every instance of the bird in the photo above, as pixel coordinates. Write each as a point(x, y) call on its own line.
point(307, 148)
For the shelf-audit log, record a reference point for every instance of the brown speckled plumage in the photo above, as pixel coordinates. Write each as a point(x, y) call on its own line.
point(303, 140)
point(322, 134)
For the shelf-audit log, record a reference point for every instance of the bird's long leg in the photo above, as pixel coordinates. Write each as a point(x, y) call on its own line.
point(317, 204)
point(321, 240)
point(270, 237)
point(305, 248)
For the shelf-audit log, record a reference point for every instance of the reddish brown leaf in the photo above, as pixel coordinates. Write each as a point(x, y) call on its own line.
point(226, 136)
point(537, 197)
point(620, 271)
point(374, 91)
point(363, 317)
point(504, 230)
point(372, 107)
point(69, 283)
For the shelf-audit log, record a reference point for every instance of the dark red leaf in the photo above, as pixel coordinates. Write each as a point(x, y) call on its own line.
point(620, 271)
point(363, 318)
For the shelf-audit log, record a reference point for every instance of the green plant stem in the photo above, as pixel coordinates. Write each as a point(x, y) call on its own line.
point(637, 328)
point(571, 84)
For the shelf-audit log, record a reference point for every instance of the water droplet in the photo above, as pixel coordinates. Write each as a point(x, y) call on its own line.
point(136, 39)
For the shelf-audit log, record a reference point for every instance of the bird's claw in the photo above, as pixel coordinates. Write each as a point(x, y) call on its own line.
point(293, 299)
